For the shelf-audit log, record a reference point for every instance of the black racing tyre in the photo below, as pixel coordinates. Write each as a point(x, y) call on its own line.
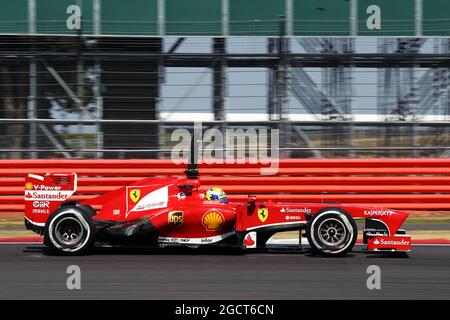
point(69, 231)
point(331, 232)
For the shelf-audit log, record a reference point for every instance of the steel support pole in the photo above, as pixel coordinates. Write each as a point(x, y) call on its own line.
point(158, 101)
point(80, 94)
point(97, 16)
point(289, 17)
point(447, 106)
point(281, 91)
point(414, 110)
point(271, 96)
point(418, 17)
point(225, 18)
point(161, 73)
point(32, 108)
point(447, 95)
point(99, 109)
point(161, 17)
point(32, 83)
point(354, 17)
point(348, 80)
point(80, 84)
point(98, 81)
point(219, 80)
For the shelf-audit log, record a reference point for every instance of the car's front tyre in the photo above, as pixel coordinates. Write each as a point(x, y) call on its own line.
point(332, 232)
point(69, 231)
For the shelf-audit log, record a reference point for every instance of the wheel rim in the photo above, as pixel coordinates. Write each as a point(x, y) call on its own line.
point(69, 231)
point(332, 232)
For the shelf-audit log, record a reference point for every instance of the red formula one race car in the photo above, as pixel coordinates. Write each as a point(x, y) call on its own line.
point(164, 212)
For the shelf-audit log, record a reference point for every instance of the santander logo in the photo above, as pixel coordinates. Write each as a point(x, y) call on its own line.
point(395, 242)
point(295, 210)
point(48, 195)
point(384, 242)
point(249, 241)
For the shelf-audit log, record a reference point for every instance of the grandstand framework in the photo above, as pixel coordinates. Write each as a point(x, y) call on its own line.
point(97, 91)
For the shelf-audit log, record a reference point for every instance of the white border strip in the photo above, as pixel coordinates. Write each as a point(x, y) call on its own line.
point(35, 223)
point(276, 224)
point(178, 240)
point(31, 242)
point(294, 241)
point(35, 176)
point(271, 241)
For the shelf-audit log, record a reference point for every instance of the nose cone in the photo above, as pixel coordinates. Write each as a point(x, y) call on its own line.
point(402, 215)
point(396, 220)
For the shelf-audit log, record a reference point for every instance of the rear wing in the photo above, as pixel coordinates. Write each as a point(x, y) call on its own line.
point(44, 194)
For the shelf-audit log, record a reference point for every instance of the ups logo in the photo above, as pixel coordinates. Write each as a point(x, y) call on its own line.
point(175, 218)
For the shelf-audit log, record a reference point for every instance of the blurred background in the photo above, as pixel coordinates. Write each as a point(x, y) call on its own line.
point(112, 79)
point(358, 89)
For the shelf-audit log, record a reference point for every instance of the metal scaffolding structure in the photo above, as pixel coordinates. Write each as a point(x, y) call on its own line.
point(94, 96)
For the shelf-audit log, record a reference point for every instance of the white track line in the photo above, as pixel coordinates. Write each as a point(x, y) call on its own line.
point(21, 243)
point(294, 241)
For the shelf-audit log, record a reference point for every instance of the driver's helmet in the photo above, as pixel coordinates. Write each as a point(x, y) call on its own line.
point(216, 193)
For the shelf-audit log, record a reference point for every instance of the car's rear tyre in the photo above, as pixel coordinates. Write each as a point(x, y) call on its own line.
point(332, 232)
point(69, 231)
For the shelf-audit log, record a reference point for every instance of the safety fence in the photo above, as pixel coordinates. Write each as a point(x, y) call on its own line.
point(409, 184)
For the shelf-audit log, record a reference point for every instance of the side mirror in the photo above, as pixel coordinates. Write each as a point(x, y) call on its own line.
point(188, 184)
point(251, 199)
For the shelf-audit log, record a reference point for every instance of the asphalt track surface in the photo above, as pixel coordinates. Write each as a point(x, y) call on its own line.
point(26, 272)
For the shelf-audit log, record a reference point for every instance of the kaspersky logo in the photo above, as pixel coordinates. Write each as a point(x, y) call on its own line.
point(378, 212)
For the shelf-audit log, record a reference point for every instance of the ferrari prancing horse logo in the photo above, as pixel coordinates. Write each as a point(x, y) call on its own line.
point(135, 194)
point(263, 214)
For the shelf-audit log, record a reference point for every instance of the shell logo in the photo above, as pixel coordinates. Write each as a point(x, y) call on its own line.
point(28, 186)
point(213, 220)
